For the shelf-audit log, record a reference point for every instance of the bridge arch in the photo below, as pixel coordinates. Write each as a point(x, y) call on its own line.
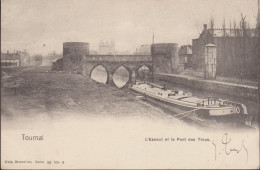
point(146, 65)
point(142, 70)
point(103, 78)
point(121, 76)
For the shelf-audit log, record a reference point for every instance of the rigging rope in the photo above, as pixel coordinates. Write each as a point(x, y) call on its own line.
point(186, 112)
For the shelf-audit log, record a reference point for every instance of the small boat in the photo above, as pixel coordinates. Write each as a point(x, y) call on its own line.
point(202, 107)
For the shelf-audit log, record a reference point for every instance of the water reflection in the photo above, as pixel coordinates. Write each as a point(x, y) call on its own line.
point(121, 77)
point(99, 74)
point(142, 71)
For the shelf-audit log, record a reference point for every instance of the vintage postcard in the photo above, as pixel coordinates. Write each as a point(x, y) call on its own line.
point(130, 84)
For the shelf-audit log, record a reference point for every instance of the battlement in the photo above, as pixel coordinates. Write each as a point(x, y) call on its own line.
point(118, 58)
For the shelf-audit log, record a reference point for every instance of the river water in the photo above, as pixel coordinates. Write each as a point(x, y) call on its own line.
point(99, 74)
point(120, 77)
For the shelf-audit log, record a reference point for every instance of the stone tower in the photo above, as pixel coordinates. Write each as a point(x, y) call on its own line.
point(210, 61)
point(165, 57)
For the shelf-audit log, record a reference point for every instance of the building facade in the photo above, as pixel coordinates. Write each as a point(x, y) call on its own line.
point(143, 50)
point(10, 59)
point(236, 51)
point(17, 58)
point(185, 56)
point(107, 47)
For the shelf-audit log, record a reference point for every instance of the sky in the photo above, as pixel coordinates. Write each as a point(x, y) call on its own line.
point(29, 24)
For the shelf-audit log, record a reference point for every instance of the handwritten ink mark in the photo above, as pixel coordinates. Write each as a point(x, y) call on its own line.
point(228, 150)
point(215, 150)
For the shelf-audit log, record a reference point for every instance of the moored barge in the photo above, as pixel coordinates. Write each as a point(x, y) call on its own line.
point(205, 108)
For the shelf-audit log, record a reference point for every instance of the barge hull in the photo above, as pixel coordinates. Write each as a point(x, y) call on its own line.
point(201, 115)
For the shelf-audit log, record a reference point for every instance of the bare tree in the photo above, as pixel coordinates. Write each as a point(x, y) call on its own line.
point(211, 23)
point(199, 28)
point(236, 32)
point(243, 25)
point(224, 44)
point(224, 27)
point(230, 27)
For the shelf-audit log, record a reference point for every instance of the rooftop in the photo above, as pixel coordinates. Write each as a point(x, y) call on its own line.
point(10, 56)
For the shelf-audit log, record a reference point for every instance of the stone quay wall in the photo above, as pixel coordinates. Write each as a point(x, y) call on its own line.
point(248, 92)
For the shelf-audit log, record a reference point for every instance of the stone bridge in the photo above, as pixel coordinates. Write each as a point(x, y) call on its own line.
point(132, 63)
point(85, 64)
point(76, 58)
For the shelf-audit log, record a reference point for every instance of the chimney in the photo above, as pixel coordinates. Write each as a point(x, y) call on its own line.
point(7, 51)
point(205, 26)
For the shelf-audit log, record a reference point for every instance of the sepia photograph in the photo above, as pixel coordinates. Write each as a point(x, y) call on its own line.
point(130, 84)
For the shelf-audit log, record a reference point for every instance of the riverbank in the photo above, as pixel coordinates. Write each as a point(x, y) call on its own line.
point(55, 95)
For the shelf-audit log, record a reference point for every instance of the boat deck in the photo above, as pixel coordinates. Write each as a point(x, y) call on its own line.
point(182, 97)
